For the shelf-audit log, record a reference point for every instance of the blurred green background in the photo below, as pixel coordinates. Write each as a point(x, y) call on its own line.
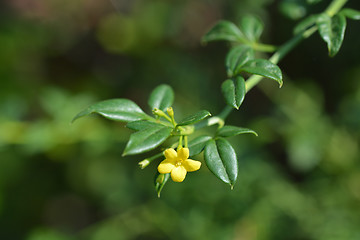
point(300, 179)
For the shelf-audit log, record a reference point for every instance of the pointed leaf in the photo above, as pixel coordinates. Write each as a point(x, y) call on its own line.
point(252, 27)
point(161, 97)
point(115, 109)
point(237, 57)
point(223, 30)
point(332, 31)
point(234, 91)
point(350, 13)
point(220, 158)
point(159, 181)
point(263, 68)
point(198, 144)
point(229, 131)
point(194, 118)
point(146, 140)
point(142, 124)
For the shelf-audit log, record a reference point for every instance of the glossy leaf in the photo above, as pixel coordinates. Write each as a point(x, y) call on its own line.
point(142, 124)
point(237, 57)
point(252, 27)
point(229, 131)
point(332, 31)
point(147, 139)
point(198, 144)
point(220, 158)
point(115, 109)
point(305, 24)
point(161, 97)
point(159, 181)
point(223, 30)
point(350, 13)
point(194, 118)
point(263, 68)
point(234, 91)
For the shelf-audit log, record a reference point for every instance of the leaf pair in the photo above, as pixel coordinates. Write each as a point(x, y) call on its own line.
point(234, 90)
point(248, 32)
point(220, 156)
point(331, 29)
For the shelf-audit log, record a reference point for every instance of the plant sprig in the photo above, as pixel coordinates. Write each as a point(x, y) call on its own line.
point(220, 156)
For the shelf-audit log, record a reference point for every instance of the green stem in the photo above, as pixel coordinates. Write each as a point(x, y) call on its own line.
point(335, 7)
point(280, 54)
point(263, 47)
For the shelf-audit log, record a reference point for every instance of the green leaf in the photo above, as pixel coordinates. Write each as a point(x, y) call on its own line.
point(350, 13)
point(305, 24)
point(252, 27)
point(220, 158)
point(229, 131)
point(147, 139)
point(161, 97)
point(237, 57)
point(194, 118)
point(197, 144)
point(159, 181)
point(142, 124)
point(223, 30)
point(115, 109)
point(263, 68)
point(234, 91)
point(332, 31)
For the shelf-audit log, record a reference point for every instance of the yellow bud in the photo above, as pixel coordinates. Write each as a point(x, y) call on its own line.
point(170, 111)
point(159, 113)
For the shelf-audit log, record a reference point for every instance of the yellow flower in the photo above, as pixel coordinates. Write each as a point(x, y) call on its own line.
point(178, 164)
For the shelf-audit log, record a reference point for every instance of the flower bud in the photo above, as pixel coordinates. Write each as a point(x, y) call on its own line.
point(170, 112)
point(144, 163)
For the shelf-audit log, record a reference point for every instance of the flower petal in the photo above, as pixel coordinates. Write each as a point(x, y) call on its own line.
point(165, 166)
point(170, 154)
point(191, 165)
point(178, 174)
point(183, 153)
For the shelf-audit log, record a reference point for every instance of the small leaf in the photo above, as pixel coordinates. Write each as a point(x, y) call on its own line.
point(305, 24)
point(223, 30)
point(161, 97)
point(147, 139)
point(115, 109)
point(234, 91)
point(332, 31)
point(194, 118)
point(350, 13)
point(252, 27)
point(237, 57)
point(197, 144)
point(263, 68)
point(142, 124)
point(159, 181)
point(220, 158)
point(229, 131)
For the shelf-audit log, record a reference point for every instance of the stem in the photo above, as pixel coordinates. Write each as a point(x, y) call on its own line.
point(280, 54)
point(144, 163)
point(334, 7)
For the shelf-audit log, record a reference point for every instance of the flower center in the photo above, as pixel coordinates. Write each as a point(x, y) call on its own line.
point(178, 163)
